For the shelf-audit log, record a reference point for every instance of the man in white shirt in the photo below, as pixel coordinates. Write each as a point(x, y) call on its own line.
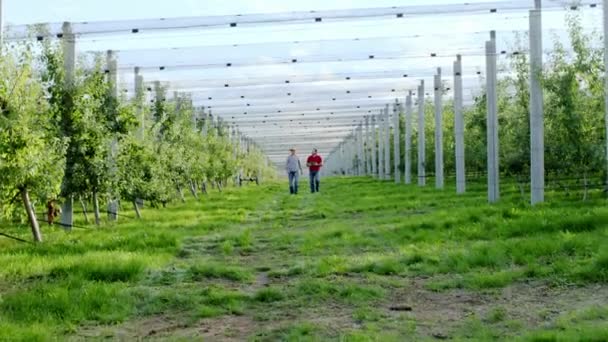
point(294, 170)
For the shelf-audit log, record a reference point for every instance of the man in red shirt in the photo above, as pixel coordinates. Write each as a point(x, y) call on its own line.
point(314, 163)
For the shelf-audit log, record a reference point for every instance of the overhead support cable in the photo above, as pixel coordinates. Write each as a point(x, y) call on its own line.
point(309, 17)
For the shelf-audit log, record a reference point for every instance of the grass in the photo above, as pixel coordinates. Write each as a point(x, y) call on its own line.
point(337, 265)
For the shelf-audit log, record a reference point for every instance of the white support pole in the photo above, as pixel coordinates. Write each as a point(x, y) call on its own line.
point(492, 120)
point(352, 148)
point(537, 148)
point(459, 127)
point(158, 92)
point(112, 66)
point(381, 164)
point(342, 160)
point(421, 140)
point(69, 53)
point(605, 4)
point(397, 141)
point(361, 147)
point(408, 138)
point(205, 126)
point(195, 112)
point(139, 112)
point(366, 149)
point(69, 60)
point(387, 143)
point(355, 155)
point(350, 160)
point(438, 131)
point(374, 147)
point(139, 96)
point(344, 157)
point(1, 25)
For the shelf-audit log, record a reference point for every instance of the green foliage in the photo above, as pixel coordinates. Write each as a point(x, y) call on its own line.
point(30, 155)
point(573, 88)
point(78, 137)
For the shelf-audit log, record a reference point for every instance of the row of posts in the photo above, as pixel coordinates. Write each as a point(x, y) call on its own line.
point(368, 153)
point(372, 155)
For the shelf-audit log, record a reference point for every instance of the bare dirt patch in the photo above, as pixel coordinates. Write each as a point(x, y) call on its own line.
point(535, 305)
point(437, 315)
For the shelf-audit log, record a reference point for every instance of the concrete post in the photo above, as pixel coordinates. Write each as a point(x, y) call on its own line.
point(605, 9)
point(374, 147)
point(196, 115)
point(361, 147)
point(537, 148)
point(353, 152)
point(69, 53)
point(408, 138)
point(343, 157)
point(397, 141)
point(387, 143)
point(139, 112)
point(367, 151)
point(112, 66)
point(492, 120)
point(1, 25)
point(438, 131)
point(381, 172)
point(69, 60)
point(158, 94)
point(421, 136)
point(139, 96)
point(205, 125)
point(352, 147)
point(113, 89)
point(459, 127)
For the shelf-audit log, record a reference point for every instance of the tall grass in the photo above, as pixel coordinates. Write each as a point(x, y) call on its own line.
point(354, 248)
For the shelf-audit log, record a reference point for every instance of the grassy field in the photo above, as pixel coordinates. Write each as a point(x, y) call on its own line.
point(363, 260)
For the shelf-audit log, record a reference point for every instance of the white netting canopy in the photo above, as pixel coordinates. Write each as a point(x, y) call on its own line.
point(300, 77)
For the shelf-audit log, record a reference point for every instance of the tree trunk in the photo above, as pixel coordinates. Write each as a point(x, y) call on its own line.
point(181, 194)
point(586, 187)
point(67, 213)
point(31, 215)
point(193, 189)
point(96, 208)
point(219, 186)
point(204, 187)
point(84, 210)
point(136, 207)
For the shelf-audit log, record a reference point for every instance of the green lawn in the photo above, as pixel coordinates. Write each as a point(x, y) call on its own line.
point(363, 260)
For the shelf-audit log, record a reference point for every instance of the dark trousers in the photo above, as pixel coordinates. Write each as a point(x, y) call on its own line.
point(314, 181)
point(293, 182)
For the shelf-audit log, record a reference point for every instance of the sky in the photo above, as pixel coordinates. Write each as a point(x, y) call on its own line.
point(302, 112)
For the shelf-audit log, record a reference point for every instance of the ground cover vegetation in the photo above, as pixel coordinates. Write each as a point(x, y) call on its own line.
point(363, 260)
